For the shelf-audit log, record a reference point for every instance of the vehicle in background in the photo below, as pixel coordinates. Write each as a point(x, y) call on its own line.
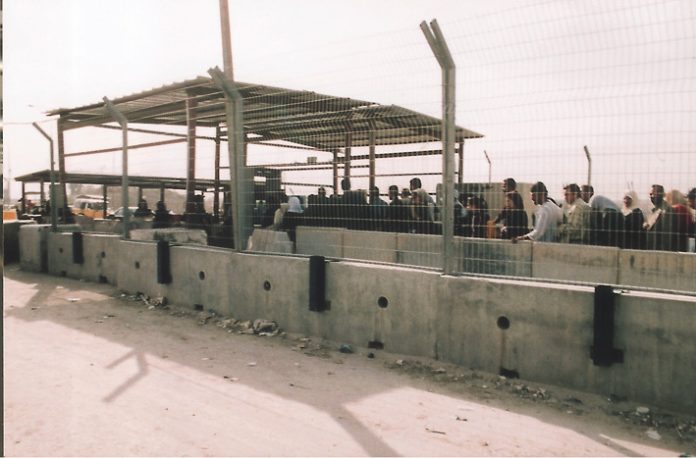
point(89, 206)
point(9, 213)
point(118, 214)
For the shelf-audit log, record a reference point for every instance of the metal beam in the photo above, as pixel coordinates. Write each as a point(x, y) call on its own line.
point(52, 190)
point(216, 195)
point(123, 122)
point(137, 146)
point(372, 161)
point(61, 169)
point(191, 156)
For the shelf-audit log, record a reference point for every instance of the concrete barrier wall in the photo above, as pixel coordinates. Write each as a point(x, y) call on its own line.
point(269, 241)
point(658, 269)
point(10, 240)
point(419, 250)
point(549, 328)
point(32, 247)
point(493, 257)
point(100, 253)
point(370, 246)
point(320, 241)
point(587, 263)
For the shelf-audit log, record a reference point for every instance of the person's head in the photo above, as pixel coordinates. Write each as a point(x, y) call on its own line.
point(571, 192)
point(474, 203)
point(509, 184)
point(294, 205)
point(345, 184)
point(321, 191)
point(587, 192)
point(539, 193)
point(393, 192)
point(657, 194)
point(374, 192)
point(675, 197)
point(161, 206)
point(415, 183)
point(405, 193)
point(142, 204)
point(630, 199)
point(311, 199)
point(418, 197)
point(691, 198)
point(514, 200)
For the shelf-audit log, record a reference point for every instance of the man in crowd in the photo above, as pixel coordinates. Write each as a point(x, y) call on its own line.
point(660, 226)
point(548, 217)
point(576, 217)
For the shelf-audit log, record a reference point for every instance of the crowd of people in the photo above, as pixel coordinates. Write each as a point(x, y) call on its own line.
point(583, 217)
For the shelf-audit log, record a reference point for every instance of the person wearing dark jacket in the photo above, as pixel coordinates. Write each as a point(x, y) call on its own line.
point(513, 216)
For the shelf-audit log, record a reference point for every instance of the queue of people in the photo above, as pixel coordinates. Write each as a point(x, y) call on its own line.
point(583, 217)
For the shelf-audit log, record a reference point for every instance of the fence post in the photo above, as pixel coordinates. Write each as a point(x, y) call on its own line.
point(52, 191)
point(239, 174)
point(121, 119)
point(438, 45)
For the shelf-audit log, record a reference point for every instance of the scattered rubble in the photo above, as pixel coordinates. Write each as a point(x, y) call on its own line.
point(345, 348)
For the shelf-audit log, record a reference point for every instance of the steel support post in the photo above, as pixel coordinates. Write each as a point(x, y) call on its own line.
point(42, 192)
point(347, 152)
point(105, 199)
point(23, 207)
point(438, 45)
point(460, 172)
point(191, 156)
point(372, 161)
point(589, 165)
point(61, 169)
point(240, 176)
point(52, 190)
point(123, 122)
point(216, 184)
point(490, 166)
point(335, 172)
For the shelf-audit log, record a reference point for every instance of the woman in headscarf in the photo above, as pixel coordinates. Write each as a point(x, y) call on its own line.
point(633, 234)
point(293, 217)
point(513, 216)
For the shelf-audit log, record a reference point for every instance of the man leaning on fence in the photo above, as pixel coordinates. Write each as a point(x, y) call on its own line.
point(547, 217)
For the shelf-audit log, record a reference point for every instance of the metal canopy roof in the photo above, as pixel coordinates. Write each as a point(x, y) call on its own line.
point(272, 114)
point(115, 180)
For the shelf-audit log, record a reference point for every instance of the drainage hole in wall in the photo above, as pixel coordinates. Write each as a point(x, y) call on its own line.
point(103, 255)
point(63, 273)
point(201, 275)
point(375, 344)
point(503, 322)
point(383, 302)
point(103, 279)
point(60, 250)
point(509, 373)
point(137, 264)
point(267, 285)
point(198, 307)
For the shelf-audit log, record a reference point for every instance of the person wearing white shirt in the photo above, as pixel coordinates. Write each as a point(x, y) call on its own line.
point(547, 217)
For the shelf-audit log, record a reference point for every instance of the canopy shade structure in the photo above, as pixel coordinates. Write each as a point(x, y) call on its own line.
point(145, 182)
point(271, 114)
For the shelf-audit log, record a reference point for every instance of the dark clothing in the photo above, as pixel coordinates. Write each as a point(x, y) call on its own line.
point(475, 224)
point(607, 227)
point(515, 222)
point(633, 233)
point(354, 211)
point(290, 223)
point(162, 219)
point(142, 212)
point(398, 213)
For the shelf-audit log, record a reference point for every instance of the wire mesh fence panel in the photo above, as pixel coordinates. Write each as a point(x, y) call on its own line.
point(574, 148)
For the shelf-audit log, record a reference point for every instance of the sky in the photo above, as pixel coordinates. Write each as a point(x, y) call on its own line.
point(540, 79)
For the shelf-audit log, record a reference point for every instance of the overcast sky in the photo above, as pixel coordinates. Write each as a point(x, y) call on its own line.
point(539, 79)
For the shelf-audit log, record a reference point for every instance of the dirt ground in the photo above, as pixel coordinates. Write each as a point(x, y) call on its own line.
point(91, 371)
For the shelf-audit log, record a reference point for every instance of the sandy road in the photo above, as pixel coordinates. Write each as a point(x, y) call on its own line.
point(87, 372)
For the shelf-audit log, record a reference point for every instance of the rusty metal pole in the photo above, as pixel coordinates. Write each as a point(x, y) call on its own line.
point(216, 184)
point(191, 149)
point(438, 45)
point(123, 122)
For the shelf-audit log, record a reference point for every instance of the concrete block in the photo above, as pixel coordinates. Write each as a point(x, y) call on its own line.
point(658, 269)
point(172, 235)
point(199, 277)
point(32, 247)
point(419, 250)
point(323, 241)
point(10, 240)
point(137, 268)
point(269, 241)
point(370, 246)
point(392, 305)
point(579, 263)
point(493, 257)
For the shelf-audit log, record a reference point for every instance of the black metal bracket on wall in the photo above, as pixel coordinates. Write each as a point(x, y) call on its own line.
point(317, 284)
point(602, 351)
point(164, 270)
point(78, 253)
